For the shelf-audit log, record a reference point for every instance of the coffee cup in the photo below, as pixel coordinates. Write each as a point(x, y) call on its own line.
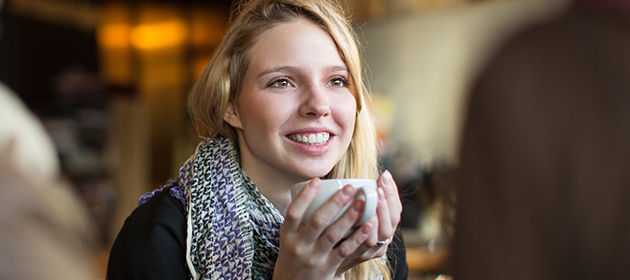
point(366, 190)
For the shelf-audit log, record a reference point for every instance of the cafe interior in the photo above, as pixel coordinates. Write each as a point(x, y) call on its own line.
point(109, 79)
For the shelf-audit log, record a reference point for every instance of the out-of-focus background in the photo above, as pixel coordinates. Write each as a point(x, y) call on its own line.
point(109, 79)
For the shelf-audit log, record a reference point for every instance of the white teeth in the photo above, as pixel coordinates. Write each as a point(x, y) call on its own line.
point(312, 138)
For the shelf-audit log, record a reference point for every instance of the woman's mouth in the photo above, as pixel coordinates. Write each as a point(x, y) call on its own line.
point(310, 138)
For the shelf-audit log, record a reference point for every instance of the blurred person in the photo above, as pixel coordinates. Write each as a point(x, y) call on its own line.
point(281, 101)
point(32, 150)
point(544, 158)
point(44, 232)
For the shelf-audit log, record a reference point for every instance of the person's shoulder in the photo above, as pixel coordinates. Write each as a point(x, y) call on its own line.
point(152, 241)
point(159, 218)
point(159, 209)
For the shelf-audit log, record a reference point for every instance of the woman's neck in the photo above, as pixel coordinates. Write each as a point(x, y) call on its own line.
point(275, 187)
point(274, 184)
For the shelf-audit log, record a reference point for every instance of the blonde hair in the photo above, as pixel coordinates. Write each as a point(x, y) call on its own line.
point(220, 82)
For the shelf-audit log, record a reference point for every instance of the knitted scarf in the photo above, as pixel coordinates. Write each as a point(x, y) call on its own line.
point(233, 231)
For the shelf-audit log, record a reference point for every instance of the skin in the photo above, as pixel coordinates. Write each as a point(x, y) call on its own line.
point(296, 82)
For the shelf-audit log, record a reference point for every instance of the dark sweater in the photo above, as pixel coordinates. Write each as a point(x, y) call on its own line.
point(152, 244)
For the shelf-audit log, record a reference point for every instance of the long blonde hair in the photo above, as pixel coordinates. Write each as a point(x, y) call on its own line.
point(220, 82)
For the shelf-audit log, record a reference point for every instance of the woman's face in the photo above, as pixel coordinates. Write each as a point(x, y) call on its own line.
point(295, 113)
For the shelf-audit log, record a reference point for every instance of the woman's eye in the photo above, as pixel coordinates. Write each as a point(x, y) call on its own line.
point(338, 82)
point(282, 83)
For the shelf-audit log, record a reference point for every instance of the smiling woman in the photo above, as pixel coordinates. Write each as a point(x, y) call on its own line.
point(281, 102)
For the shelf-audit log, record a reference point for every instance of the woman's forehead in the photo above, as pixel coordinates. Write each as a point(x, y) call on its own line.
point(299, 44)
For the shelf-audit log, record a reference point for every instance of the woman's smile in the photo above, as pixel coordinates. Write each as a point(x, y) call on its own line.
point(311, 138)
point(314, 143)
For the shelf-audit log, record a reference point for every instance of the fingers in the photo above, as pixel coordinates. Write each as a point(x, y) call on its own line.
point(296, 209)
point(368, 247)
point(326, 213)
point(373, 238)
point(350, 245)
point(337, 231)
point(385, 226)
point(351, 253)
point(390, 191)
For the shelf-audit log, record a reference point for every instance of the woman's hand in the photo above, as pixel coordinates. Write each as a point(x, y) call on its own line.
point(387, 217)
point(309, 250)
point(312, 250)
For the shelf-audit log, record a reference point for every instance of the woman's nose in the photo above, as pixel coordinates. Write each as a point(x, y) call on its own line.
point(316, 103)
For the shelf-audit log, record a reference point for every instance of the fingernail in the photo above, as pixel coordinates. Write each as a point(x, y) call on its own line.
point(313, 182)
point(388, 175)
point(347, 190)
point(358, 205)
point(366, 229)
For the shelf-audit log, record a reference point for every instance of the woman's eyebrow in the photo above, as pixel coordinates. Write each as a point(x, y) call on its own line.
point(335, 68)
point(293, 69)
point(284, 69)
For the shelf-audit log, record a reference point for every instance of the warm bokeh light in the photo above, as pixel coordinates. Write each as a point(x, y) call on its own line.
point(114, 47)
point(114, 35)
point(207, 26)
point(158, 35)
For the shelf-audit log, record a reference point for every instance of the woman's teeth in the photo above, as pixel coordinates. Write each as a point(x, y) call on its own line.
point(311, 138)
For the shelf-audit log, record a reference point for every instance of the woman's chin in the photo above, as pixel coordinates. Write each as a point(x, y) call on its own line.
point(309, 174)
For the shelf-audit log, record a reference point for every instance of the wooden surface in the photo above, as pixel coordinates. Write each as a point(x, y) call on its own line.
point(421, 259)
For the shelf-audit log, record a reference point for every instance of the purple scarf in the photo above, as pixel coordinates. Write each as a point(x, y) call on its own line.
point(233, 231)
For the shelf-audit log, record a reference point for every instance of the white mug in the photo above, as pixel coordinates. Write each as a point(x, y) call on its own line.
point(366, 189)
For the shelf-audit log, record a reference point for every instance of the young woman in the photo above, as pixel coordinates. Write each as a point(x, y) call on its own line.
point(281, 101)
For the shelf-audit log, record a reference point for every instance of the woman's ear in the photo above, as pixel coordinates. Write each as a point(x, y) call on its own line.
point(231, 116)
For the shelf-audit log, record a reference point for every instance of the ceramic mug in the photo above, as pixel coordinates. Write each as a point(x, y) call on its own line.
point(366, 189)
